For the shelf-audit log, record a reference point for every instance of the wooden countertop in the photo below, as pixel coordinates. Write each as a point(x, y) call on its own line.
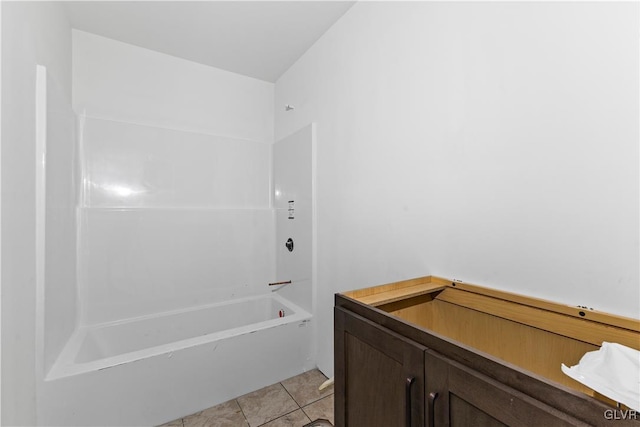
point(392, 292)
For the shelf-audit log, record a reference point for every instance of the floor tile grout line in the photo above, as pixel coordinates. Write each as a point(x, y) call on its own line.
point(305, 412)
point(320, 398)
point(302, 407)
point(279, 416)
point(317, 400)
point(309, 403)
point(242, 412)
point(284, 415)
point(299, 408)
point(291, 396)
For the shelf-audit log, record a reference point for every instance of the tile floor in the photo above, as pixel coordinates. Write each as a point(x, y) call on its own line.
point(291, 403)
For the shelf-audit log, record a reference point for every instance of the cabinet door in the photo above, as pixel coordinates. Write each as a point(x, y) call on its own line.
point(458, 396)
point(379, 375)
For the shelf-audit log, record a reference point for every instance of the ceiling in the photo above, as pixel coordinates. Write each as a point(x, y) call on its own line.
point(260, 39)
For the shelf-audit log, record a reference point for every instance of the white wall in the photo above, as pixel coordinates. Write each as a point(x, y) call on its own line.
point(176, 204)
point(496, 143)
point(118, 81)
point(32, 33)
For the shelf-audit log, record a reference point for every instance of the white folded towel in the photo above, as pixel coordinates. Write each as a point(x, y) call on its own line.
point(613, 371)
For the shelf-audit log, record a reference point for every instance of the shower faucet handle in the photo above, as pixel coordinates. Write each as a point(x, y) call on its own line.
point(289, 244)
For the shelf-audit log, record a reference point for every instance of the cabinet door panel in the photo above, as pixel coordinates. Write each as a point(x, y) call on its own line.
point(379, 375)
point(463, 414)
point(370, 385)
point(466, 397)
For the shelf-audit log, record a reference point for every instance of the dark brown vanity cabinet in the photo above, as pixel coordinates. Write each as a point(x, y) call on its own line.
point(381, 375)
point(432, 352)
point(461, 397)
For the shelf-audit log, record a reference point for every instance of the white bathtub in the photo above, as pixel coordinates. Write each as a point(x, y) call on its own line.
point(150, 370)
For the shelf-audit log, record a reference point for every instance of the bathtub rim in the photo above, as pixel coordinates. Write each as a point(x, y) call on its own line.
point(65, 364)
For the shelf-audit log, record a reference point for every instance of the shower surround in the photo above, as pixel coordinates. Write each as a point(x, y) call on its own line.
point(180, 216)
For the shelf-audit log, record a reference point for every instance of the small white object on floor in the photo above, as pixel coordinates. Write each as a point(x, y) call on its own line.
point(613, 371)
point(326, 384)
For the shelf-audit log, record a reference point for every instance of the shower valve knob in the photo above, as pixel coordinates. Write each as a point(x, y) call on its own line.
point(289, 244)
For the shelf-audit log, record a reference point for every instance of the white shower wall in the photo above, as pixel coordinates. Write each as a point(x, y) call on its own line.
point(176, 185)
point(293, 182)
point(127, 165)
point(170, 219)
